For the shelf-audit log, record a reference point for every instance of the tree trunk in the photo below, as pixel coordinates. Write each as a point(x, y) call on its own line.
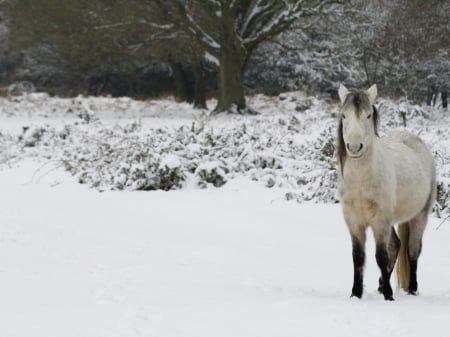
point(231, 84)
point(200, 86)
point(180, 82)
point(231, 78)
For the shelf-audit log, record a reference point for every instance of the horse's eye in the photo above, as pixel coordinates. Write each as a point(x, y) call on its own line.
point(370, 115)
point(343, 116)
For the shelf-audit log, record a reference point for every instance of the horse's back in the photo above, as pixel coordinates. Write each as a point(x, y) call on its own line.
point(415, 172)
point(410, 140)
point(410, 148)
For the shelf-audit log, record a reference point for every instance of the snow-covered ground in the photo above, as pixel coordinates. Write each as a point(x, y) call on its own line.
point(236, 261)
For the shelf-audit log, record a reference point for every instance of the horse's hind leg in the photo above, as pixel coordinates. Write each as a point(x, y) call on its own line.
point(416, 229)
point(393, 248)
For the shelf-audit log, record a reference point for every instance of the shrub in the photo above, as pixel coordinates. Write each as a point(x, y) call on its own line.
point(210, 173)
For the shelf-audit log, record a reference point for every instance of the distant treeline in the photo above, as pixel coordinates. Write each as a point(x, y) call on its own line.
point(196, 49)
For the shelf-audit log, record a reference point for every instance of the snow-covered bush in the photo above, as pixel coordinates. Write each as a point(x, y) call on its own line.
point(171, 175)
point(293, 149)
point(32, 136)
point(210, 173)
point(20, 88)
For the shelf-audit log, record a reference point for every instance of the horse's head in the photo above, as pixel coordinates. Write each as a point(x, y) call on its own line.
point(358, 122)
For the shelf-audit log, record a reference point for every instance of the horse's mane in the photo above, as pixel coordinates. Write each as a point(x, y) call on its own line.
point(360, 101)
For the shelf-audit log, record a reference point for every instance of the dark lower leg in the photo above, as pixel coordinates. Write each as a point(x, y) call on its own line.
point(414, 256)
point(383, 262)
point(358, 268)
point(393, 249)
point(380, 285)
point(416, 229)
point(413, 277)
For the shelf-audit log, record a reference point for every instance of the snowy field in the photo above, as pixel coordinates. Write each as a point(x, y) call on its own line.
point(240, 260)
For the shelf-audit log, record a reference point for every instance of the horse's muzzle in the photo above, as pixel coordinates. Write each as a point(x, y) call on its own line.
point(354, 149)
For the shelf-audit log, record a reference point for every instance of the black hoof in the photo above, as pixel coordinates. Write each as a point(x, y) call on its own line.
point(357, 292)
point(356, 295)
point(386, 290)
point(413, 293)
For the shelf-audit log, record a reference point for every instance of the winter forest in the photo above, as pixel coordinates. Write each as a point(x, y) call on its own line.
point(171, 168)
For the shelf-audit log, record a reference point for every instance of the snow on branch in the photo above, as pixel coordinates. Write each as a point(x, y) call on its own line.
point(215, 3)
point(158, 36)
point(261, 23)
point(256, 8)
point(272, 23)
point(232, 5)
point(206, 39)
point(158, 26)
point(113, 25)
point(211, 59)
point(212, 7)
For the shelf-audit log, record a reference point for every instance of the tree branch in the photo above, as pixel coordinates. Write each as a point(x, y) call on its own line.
point(272, 22)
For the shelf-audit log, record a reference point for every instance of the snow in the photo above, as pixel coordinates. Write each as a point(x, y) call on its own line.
point(211, 58)
point(256, 8)
point(209, 166)
point(170, 161)
point(237, 260)
point(40, 109)
point(234, 261)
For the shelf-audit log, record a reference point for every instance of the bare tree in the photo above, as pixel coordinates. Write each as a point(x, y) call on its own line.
point(405, 42)
point(227, 32)
point(221, 33)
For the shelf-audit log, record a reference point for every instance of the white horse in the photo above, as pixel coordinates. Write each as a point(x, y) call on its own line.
point(383, 181)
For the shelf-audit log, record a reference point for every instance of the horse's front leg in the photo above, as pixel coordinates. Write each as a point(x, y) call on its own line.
point(358, 235)
point(393, 248)
point(381, 254)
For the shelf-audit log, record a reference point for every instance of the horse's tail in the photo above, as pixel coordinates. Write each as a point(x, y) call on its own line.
point(403, 267)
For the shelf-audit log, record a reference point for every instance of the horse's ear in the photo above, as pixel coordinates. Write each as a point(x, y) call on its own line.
point(372, 93)
point(343, 92)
